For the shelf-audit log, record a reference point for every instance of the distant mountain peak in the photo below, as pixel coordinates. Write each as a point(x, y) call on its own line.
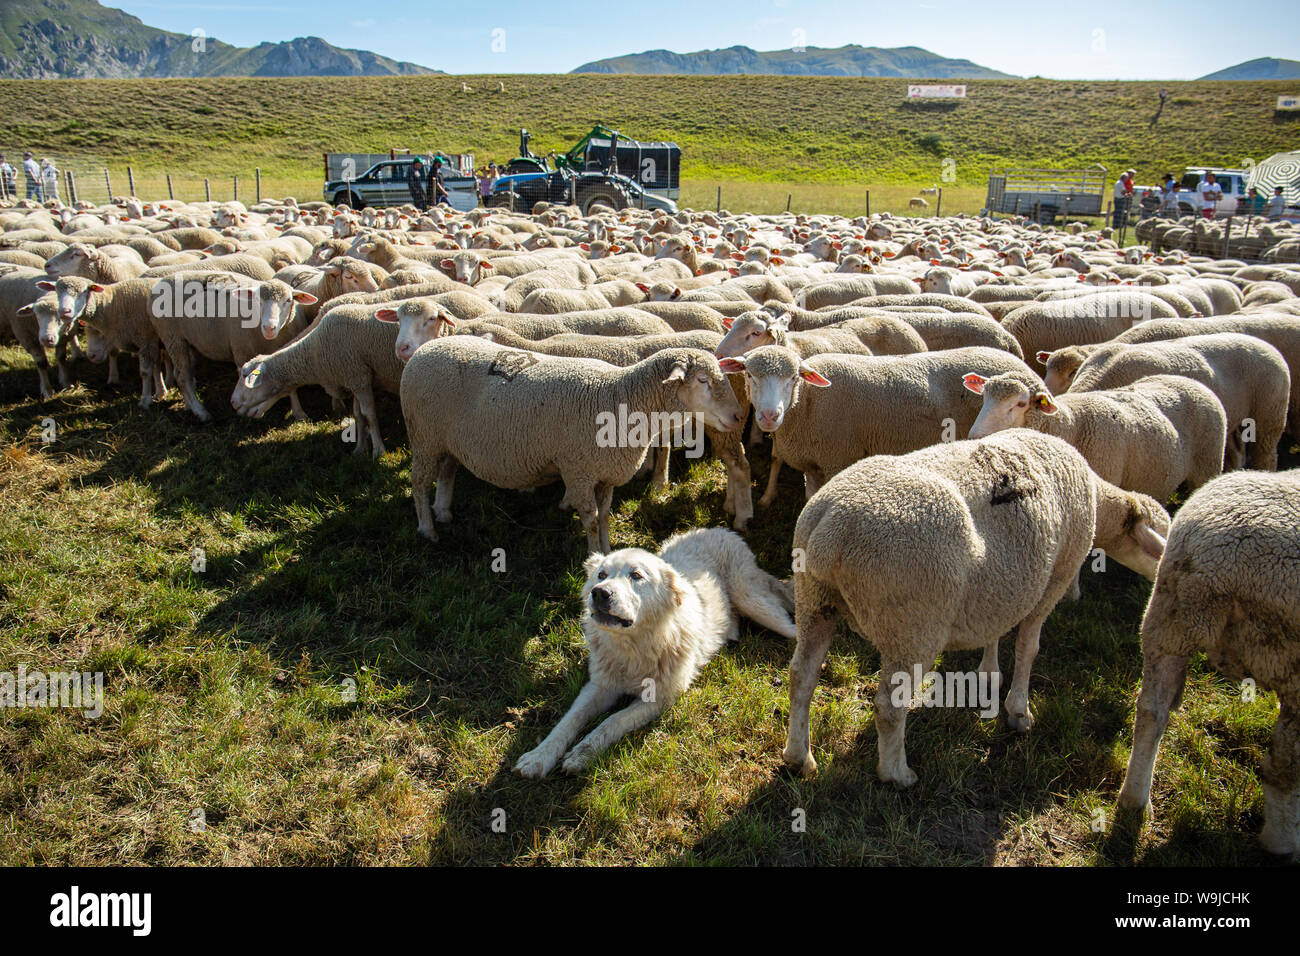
point(1263, 68)
point(910, 62)
point(51, 39)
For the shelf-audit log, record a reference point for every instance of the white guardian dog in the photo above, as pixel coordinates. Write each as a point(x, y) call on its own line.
point(651, 623)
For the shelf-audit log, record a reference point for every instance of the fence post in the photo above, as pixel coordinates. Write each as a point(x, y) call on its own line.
point(67, 180)
point(130, 181)
point(1227, 234)
point(868, 203)
point(236, 187)
point(1065, 215)
point(1017, 209)
point(257, 172)
point(1038, 211)
point(938, 203)
point(719, 199)
point(787, 202)
point(170, 194)
point(207, 191)
point(108, 184)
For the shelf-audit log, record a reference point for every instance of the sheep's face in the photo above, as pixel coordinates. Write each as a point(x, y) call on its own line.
point(418, 321)
point(269, 305)
point(1008, 402)
point(72, 295)
point(937, 280)
point(465, 268)
point(855, 264)
point(746, 332)
point(98, 348)
point(701, 387)
point(255, 391)
point(46, 312)
point(355, 277)
point(1146, 528)
point(773, 374)
point(1062, 367)
point(70, 262)
point(627, 588)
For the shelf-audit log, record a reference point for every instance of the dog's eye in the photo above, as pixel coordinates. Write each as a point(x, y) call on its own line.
point(636, 575)
point(601, 576)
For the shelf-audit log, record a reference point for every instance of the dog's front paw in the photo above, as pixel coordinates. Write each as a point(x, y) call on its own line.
point(577, 759)
point(535, 764)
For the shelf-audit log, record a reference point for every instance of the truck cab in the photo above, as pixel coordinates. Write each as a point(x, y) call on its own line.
point(1231, 181)
point(384, 184)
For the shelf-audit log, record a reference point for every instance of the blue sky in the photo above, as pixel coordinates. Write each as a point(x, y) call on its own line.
point(1102, 39)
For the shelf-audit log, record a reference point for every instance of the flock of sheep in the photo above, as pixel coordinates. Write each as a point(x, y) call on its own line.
point(975, 405)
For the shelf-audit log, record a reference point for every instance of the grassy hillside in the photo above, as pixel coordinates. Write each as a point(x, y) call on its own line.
point(776, 130)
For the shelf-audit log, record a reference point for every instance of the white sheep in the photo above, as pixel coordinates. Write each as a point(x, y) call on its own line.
point(947, 548)
point(549, 419)
point(1229, 585)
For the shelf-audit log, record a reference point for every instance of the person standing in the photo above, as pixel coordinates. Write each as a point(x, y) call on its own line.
point(1123, 198)
point(8, 179)
point(415, 180)
point(1276, 204)
point(437, 192)
point(1211, 193)
point(1169, 197)
point(50, 179)
point(33, 174)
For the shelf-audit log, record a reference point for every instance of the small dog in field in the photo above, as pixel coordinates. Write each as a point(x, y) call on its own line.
point(651, 623)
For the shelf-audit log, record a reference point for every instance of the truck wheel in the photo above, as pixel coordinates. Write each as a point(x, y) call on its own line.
point(345, 198)
point(604, 198)
point(1185, 210)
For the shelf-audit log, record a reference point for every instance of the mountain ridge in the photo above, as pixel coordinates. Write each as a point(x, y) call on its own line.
point(909, 62)
point(81, 39)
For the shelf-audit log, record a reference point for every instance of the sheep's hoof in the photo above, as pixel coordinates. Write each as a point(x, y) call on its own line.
point(429, 533)
point(443, 516)
point(740, 524)
point(1021, 723)
point(765, 501)
point(802, 763)
point(902, 779)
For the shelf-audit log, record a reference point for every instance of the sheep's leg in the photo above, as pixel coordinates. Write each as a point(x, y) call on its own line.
point(114, 374)
point(605, 501)
point(612, 729)
point(989, 664)
point(423, 468)
point(769, 493)
point(361, 434)
point(582, 496)
point(663, 455)
point(891, 724)
point(295, 406)
point(1234, 454)
point(1017, 703)
point(1162, 686)
point(61, 360)
point(184, 368)
point(365, 398)
point(740, 499)
point(446, 485)
point(42, 371)
point(814, 625)
point(593, 699)
point(1281, 776)
point(337, 406)
point(1075, 591)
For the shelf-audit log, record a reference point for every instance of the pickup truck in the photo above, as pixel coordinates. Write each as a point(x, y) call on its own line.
point(384, 184)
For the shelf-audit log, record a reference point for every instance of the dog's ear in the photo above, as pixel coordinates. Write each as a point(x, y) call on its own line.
point(675, 587)
point(592, 563)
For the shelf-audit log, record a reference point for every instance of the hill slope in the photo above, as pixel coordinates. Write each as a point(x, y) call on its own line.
point(1264, 68)
point(851, 60)
point(49, 39)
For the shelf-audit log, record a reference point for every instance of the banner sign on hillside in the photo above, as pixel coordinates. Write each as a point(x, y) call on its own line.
point(913, 92)
point(1288, 102)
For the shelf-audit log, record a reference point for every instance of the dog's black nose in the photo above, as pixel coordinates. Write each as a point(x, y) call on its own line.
point(600, 597)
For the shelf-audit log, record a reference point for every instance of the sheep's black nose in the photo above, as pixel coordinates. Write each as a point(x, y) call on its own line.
point(600, 597)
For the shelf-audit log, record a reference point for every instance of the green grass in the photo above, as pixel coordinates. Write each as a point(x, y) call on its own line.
point(223, 688)
point(823, 138)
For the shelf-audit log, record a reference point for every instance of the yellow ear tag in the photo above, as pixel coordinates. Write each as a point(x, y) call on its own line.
point(250, 381)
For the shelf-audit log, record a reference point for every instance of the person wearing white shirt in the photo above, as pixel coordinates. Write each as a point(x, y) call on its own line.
point(1211, 193)
point(33, 174)
point(49, 179)
point(1276, 204)
point(8, 179)
point(1169, 197)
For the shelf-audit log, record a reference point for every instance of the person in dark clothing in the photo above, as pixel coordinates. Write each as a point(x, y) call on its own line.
point(438, 192)
point(415, 181)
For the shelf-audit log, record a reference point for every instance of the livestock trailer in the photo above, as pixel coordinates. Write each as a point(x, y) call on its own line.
point(1047, 193)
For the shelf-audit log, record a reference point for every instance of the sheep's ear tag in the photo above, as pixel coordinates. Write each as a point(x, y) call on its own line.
point(1045, 404)
point(728, 322)
point(1043, 357)
point(975, 383)
point(250, 380)
point(814, 378)
point(934, 262)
